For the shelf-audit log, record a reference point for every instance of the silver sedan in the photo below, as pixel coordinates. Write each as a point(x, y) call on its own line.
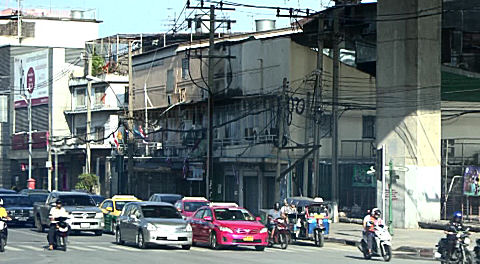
point(147, 223)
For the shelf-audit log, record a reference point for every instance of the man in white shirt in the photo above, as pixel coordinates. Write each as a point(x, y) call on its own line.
point(55, 212)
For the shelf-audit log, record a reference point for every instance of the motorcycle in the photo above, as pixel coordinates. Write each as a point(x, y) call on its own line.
point(382, 245)
point(62, 231)
point(281, 234)
point(3, 234)
point(461, 254)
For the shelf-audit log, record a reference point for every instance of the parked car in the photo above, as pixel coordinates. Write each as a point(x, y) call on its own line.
point(188, 205)
point(2, 190)
point(219, 226)
point(29, 191)
point(98, 199)
point(112, 208)
point(165, 197)
point(153, 223)
point(84, 214)
point(19, 207)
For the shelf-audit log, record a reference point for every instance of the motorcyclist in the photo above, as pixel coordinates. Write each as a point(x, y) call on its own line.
point(274, 214)
point(55, 212)
point(369, 224)
point(454, 226)
point(3, 212)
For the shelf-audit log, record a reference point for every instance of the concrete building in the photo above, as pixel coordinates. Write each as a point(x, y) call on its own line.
point(43, 60)
point(246, 115)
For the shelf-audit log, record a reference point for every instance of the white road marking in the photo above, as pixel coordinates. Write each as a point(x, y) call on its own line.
point(9, 248)
point(199, 249)
point(300, 249)
point(80, 248)
point(127, 248)
point(103, 248)
point(31, 248)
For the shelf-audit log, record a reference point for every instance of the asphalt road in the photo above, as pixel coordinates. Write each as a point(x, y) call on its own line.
point(28, 246)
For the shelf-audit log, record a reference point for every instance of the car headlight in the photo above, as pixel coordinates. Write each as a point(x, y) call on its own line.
point(98, 215)
point(264, 230)
point(151, 227)
point(225, 229)
point(188, 228)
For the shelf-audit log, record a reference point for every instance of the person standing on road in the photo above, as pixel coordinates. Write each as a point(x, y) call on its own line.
point(55, 212)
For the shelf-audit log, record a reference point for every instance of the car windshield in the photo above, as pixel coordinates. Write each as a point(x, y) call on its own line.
point(98, 199)
point(233, 214)
point(17, 201)
point(120, 204)
point(155, 211)
point(193, 206)
point(76, 200)
point(38, 197)
point(170, 198)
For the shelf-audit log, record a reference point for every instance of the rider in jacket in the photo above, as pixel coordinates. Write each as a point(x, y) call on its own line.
point(454, 226)
point(369, 224)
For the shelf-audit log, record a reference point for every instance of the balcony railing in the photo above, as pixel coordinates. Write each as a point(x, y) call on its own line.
point(358, 149)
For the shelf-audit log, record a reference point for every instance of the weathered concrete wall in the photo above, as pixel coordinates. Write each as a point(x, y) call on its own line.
point(408, 104)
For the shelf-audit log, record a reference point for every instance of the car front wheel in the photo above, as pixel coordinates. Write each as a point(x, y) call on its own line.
point(213, 241)
point(141, 240)
point(118, 237)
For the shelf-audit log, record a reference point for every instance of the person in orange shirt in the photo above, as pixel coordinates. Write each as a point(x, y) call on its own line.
point(369, 224)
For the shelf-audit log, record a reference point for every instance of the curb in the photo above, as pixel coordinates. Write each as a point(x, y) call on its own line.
point(403, 252)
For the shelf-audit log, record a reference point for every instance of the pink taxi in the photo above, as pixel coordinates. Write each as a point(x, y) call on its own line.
point(220, 226)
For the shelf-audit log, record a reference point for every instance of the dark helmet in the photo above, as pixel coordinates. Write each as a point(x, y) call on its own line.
point(457, 216)
point(376, 212)
point(58, 202)
point(276, 206)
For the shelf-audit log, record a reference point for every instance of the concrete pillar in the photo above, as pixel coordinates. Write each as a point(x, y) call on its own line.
point(408, 105)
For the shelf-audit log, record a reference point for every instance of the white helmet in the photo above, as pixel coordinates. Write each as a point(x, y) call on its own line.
point(1, 201)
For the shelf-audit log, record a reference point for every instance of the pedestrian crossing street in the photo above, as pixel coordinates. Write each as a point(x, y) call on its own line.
point(84, 247)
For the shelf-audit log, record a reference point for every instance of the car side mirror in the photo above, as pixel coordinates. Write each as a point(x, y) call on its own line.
point(258, 218)
point(53, 204)
point(110, 209)
point(207, 218)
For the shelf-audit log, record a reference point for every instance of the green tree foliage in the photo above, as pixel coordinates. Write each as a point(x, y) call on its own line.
point(87, 182)
point(97, 64)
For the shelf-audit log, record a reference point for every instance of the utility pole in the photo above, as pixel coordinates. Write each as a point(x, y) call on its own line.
point(130, 121)
point(308, 116)
point(281, 124)
point(55, 150)
point(316, 105)
point(336, 69)
point(145, 95)
point(210, 85)
point(49, 150)
point(211, 43)
point(89, 112)
point(19, 21)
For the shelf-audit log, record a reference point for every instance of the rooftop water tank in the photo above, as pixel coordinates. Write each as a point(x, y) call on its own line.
point(264, 24)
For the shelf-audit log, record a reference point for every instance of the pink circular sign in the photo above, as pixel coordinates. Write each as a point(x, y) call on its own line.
point(30, 80)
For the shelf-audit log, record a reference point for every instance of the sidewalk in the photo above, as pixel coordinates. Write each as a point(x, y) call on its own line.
point(406, 243)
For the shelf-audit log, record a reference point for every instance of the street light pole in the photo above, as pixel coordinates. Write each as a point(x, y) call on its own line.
point(89, 114)
point(29, 137)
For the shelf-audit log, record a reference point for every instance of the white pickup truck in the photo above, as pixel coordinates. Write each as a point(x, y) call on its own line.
point(84, 214)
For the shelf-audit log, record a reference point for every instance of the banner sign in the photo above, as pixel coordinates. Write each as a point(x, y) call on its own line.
point(31, 78)
point(471, 185)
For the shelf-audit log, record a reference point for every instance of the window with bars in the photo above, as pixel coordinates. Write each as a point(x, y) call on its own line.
point(80, 97)
point(368, 127)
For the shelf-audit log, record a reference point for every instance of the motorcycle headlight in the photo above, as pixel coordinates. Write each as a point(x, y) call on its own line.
point(467, 241)
point(98, 215)
point(225, 229)
point(188, 228)
point(151, 227)
point(264, 230)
